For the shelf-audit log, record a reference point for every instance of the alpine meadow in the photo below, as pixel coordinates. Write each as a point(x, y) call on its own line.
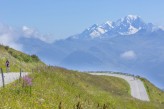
point(84, 54)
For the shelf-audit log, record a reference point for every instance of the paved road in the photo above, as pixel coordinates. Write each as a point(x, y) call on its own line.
point(136, 85)
point(137, 88)
point(10, 77)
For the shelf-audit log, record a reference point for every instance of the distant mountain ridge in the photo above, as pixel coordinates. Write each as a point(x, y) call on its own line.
point(129, 25)
point(128, 45)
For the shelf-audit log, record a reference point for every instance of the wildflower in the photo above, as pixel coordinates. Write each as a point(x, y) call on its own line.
point(27, 81)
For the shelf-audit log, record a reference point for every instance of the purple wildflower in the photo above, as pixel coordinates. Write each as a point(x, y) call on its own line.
point(27, 81)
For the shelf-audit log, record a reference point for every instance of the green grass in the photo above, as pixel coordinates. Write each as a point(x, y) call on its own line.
point(18, 60)
point(52, 86)
point(58, 88)
point(155, 94)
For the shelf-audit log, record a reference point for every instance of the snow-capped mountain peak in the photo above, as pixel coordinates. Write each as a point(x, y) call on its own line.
point(129, 19)
point(132, 17)
point(129, 25)
point(94, 26)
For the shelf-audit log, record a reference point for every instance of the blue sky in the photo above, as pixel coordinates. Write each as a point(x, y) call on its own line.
point(63, 18)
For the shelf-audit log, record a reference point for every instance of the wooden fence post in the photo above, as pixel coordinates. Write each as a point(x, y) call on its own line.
point(3, 81)
point(20, 73)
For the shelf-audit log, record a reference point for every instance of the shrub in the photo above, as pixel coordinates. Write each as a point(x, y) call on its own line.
point(35, 58)
point(7, 47)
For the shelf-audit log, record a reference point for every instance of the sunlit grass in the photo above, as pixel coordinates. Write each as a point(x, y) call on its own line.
point(15, 63)
point(58, 88)
point(54, 87)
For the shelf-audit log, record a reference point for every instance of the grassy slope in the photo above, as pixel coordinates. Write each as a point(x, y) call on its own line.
point(53, 86)
point(155, 94)
point(15, 63)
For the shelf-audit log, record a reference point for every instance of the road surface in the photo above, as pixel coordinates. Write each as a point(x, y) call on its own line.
point(10, 77)
point(136, 85)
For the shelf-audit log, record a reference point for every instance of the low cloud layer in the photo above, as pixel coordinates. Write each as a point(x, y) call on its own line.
point(10, 36)
point(128, 55)
point(33, 33)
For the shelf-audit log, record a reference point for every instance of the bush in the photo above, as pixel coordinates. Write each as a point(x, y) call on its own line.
point(7, 47)
point(35, 58)
point(22, 57)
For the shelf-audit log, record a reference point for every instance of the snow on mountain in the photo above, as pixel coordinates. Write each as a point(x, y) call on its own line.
point(126, 45)
point(108, 24)
point(97, 32)
point(100, 29)
point(129, 25)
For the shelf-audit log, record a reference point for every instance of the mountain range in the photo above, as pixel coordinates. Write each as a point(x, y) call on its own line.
point(126, 26)
point(126, 45)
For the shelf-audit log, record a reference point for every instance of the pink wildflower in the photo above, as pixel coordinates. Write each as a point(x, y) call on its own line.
point(27, 81)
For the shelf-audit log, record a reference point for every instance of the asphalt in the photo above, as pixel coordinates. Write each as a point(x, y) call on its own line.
point(138, 90)
point(10, 77)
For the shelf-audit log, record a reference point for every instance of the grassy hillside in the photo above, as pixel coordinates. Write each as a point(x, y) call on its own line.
point(58, 88)
point(156, 95)
point(17, 59)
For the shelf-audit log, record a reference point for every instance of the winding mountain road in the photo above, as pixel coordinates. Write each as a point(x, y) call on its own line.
point(136, 85)
point(10, 77)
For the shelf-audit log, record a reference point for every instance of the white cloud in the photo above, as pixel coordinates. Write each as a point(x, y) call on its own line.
point(129, 55)
point(9, 36)
point(29, 32)
point(33, 33)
